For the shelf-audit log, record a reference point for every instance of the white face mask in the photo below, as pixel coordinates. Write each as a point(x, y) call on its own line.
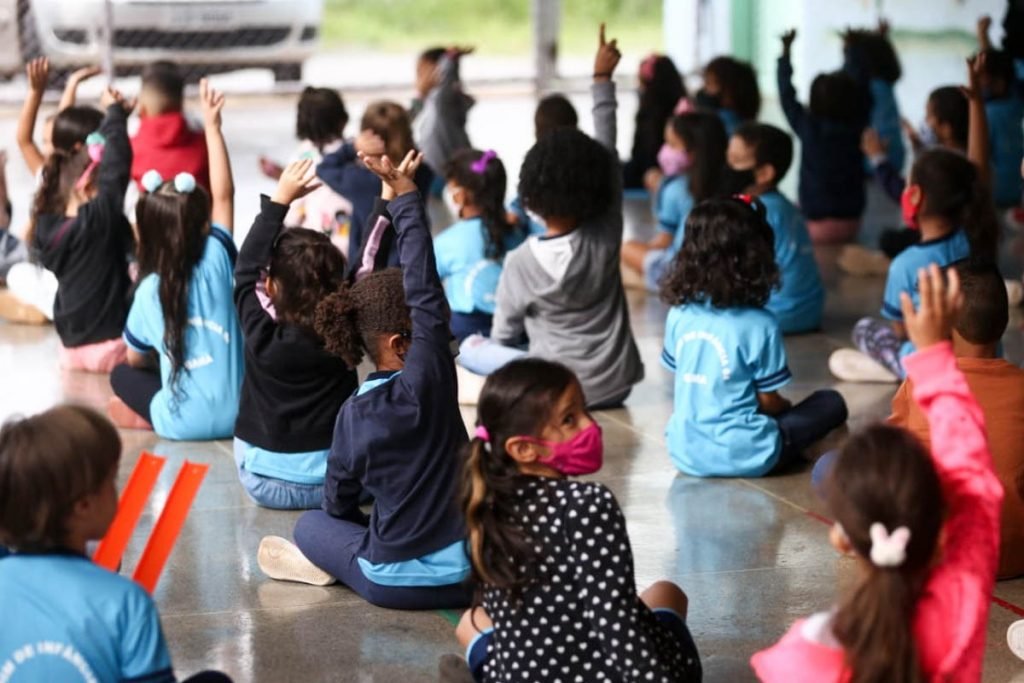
point(449, 202)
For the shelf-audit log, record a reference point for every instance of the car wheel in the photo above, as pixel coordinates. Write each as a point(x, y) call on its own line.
point(27, 35)
point(287, 72)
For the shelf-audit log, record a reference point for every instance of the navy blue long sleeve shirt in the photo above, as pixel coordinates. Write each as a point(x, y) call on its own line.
point(400, 438)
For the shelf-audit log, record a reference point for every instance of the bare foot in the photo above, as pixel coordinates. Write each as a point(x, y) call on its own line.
point(124, 417)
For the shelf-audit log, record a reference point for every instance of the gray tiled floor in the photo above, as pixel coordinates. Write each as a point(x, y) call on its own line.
point(748, 552)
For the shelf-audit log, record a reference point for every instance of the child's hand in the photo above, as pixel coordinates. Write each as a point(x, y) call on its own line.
point(872, 144)
point(84, 74)
point(787, 40)
point(369, 143)
point(212, 103)
point(460, 51)
point(932, 322)
point(652, 179)
point(915, 140)
point(399, 179)
point(38, 72)
point(984, 24)
point(111, 97)
point(975, 71)
point(607, 58)
point(297, 180)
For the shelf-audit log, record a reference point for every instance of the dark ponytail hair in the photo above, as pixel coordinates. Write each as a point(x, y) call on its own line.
point(486, 191)
point(173, 227)
point(354, 317)
point(884, 476)
point(516, 400)
point(953, 189)
point(703, 133)
point(662, 91)
point(306, 267)
point(66, 163)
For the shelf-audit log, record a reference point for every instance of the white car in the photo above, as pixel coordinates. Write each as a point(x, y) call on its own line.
point(218, 35)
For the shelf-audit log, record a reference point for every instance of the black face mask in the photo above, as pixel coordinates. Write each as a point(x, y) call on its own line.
point(707, 101)
point(735, 181)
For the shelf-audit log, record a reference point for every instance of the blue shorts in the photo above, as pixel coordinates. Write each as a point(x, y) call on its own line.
point(479, 650)
point(656, 265)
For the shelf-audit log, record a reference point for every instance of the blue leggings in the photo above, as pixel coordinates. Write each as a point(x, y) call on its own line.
point(333, 545)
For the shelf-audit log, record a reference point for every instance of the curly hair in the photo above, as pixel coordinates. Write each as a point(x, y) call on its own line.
point(553, 112)
point(487, 193)
point(354, 317)
point(567, 174)
point(307, 267)
point(727, 259)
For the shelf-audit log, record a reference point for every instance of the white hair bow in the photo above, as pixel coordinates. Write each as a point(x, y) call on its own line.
point(888, 549)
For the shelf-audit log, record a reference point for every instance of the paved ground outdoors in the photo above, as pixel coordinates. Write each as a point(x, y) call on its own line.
point(752, 554)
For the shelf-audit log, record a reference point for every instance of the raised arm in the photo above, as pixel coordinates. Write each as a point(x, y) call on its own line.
point(791, 107)
point(978, 150)
point(70, 94)
point(222, 185)
point(603, 90)
point(116, 167)
point(982, 27)
point(38, 73)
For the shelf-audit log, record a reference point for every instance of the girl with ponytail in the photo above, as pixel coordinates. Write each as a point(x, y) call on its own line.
point(919, 610)
point(470, 252)
point(551, 557)
point(184, 368)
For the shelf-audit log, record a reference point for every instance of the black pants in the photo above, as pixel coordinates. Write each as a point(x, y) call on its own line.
point(136, 387)
point(808, 422)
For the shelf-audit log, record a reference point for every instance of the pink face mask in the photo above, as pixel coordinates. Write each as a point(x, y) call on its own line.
point(582, 454)
point(673, 161)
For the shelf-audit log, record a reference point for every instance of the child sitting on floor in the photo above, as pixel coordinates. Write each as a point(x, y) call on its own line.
point(470, 253)
point(730, 91)
point(726, 352)
point(550, 554)
point(293, 387)
point(184, 369)
point(924, 531)
point(760, 155)
point(397, 440)
point(563, 289)
point(58, 492)
point(831, 164)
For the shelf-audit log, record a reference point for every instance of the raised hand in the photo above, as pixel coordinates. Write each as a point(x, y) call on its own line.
point(398, 178)
point(458, 51)
point(607, 58)
point(38, 72)
point(940, 301)
point(212, 103)
point(975, 71)
point(883, 27)
point(369, 143)
point(787, 40)
point(84, 74)
point(872, 144)
point(297, 180)
point(112, 96)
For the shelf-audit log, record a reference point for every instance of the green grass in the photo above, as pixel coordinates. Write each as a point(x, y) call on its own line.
point(494, 26)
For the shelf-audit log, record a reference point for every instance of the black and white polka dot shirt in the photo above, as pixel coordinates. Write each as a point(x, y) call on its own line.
point(582, 620)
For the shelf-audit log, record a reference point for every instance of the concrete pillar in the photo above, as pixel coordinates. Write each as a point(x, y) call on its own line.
point(545, 15)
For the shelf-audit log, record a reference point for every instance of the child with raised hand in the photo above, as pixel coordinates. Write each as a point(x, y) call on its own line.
point(80, 234)
point(441, 108)
point(730, 91)
point(920, 608)
point(831, 164)
point(470, 252)
point(759, 156)
point(58, 492)
point(185, 348)
point(691, 169)
point(398, 440)
point(293, 387)
point(564, 289)
point(551, 555)
point(726, 351)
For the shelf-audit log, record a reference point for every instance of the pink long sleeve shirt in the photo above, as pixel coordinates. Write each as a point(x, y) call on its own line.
point(949, 624)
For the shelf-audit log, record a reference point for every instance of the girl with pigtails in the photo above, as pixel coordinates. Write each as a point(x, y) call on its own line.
point(551, 556)
point(920, 608)
point(184, 368)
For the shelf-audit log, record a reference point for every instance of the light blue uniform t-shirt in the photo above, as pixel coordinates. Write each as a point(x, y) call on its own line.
point(1006, 138)
point(69, 620)
point(532, 227)
point(903, 272)
point(885, 119)
point(722, 358)
point(306, 467)
point(672, 205)
point(470, 278)
point(798, 303)
point(208, 392)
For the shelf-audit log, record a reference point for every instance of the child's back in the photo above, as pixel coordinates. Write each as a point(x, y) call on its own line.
point(1006, 139)
point(798, 302)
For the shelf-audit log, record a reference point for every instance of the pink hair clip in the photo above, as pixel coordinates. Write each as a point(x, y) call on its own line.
point(480, 165)
point(482, 434)
point(647, 67)
point(684, 106)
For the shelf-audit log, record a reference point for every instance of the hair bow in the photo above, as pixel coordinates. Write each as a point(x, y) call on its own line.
point(647, 67)
point(482, 434)
point(480, 165)
point(95, 144)
point(152, 180)
point(184, 183)
point(888, 549)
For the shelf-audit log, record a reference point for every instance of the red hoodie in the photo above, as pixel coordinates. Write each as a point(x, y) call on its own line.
point(166, 143)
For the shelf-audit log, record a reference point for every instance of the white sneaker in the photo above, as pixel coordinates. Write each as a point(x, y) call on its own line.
point(850, 365)
point(281, 559)
point(470, 385)
point(1014, 292)
point(1015, 638)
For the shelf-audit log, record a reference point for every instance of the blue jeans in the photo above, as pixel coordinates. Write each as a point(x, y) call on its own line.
point(334, 544)
point(484, 356)
point(277, 494)
point(808, 422)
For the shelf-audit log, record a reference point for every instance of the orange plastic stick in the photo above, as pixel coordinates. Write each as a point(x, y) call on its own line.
point(167, 528)
point(129, 509)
